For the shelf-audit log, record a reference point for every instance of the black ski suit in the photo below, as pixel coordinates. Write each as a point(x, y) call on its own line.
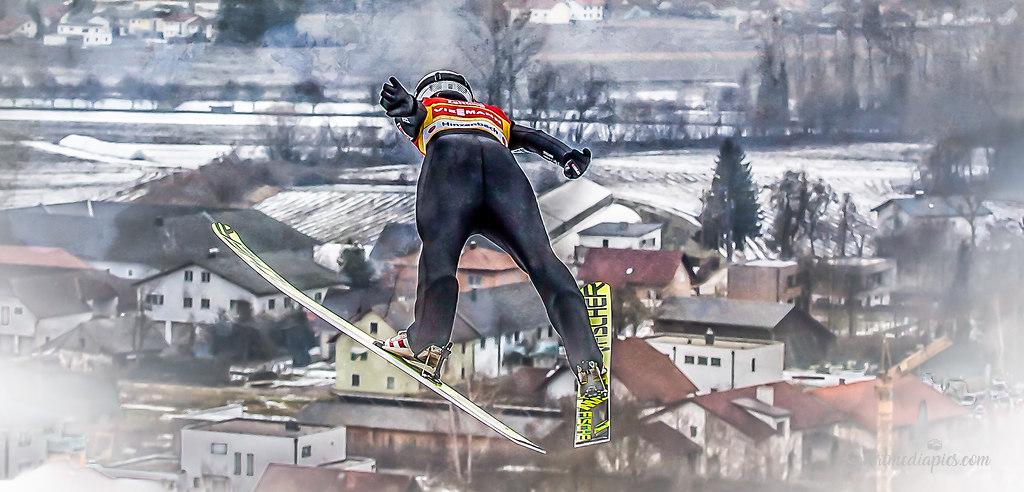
point(471, 183)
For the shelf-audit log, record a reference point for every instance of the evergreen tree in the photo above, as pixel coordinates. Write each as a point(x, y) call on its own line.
point(731, 213)
point(355, 266)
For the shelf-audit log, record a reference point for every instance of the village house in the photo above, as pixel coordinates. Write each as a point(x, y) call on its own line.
point(419, 434)
point(640, 374)
point(765, 432)
point(506, 327)
point(716, 363)
point(45, 292)
point(83, 29)
point(859, 287)
point(17, 26)
point(206, 289)
point(652, 275)
point(764, 280)
point(947, 218)
point(919, 413)
point(620, 235)
point(806, 340)
point(560, 11)
point(232, 455)
point(104, 343)
point(375, 312)
point(182, 25)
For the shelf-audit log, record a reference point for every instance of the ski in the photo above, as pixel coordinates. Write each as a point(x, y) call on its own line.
point(593, 415)
point(234, 241)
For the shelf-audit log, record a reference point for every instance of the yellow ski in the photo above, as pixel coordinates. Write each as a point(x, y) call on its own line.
point(593, 415)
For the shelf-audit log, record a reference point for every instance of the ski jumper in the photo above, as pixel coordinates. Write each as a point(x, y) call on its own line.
point(471, 183)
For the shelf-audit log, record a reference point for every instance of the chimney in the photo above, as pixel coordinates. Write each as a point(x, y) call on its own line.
point(709, 337)
point(766, 394)
point(212, 253)
point(472, 245)
point(291, 426)
point(918, 193)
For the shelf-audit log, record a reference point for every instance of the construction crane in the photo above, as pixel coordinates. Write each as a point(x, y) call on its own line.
point(886, 379)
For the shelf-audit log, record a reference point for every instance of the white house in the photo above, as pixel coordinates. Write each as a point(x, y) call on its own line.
point(17, 26)
point(23, 435)
point(182, 25)
point(204, 290)
point(561, 11)
point(718, 363)
point(87, 29)
point(622, 235)
point(232, 455)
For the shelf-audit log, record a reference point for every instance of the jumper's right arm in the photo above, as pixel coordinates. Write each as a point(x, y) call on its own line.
point(408, 113)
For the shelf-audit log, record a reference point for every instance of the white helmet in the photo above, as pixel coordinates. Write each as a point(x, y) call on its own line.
point(440, 82)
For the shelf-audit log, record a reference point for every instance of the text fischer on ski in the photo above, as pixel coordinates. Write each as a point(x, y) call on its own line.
point(470, 183)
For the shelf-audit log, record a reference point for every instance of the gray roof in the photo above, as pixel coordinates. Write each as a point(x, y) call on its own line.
point(112, 336)
point(761, 407)
point(410, 415)
point(161, 236)
point(359, 212)
point(395, 241)
point(298, 268)
point(934, 206)
point(262, 427)
point(715, 311)
point(50, 296)
point(620, 229)
point(488, 313)
point(342, 213)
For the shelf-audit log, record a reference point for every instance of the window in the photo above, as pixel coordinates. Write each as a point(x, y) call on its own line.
point(538, 334)
point(249, 458)
point(475, 280)
point(716, 362)
point(186, 302)
point(517, 336)
point(155, 299)
point(271, 304)
point(702, 361)
point(287, 302)
point(688, 359)
point(483, 343)
point(204, 304)
point(693, 431)
point(790, 281)
point(318, 296)
point(362, 356)
point(5, 315)
point(355, 380)
point(391, 382)
point(753, 365)
point(463, 374)
point(307, 451)
point(24, 439)
point(238, 463)
point(373, 327)
point(604, 243)
point(18, 311)
point(218, 448)
point(188, 275)
point(463, 348)
point(551, 332)
point(205, 276)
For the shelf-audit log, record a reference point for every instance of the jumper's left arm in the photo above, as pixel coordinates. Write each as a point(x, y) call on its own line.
point(573, 162)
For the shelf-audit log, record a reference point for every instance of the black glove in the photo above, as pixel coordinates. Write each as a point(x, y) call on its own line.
point(575, 163)
point(396, 100)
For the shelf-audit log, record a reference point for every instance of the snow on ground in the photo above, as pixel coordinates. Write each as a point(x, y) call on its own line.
point(189, 119)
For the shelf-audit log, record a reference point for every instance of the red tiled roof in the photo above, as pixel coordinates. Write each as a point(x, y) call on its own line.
point(806, 411)
point(668, 439)
point(182, 16)
point(12, 23)
point(48, 257)
point(649, 375)
point(859, 401)
point(622, 267)
point(481, 258)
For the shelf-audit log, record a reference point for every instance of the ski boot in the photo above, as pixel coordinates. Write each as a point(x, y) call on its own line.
point(590, 377)
point(429, 360)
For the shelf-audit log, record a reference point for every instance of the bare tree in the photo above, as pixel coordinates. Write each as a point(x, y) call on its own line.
point(506, 46)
